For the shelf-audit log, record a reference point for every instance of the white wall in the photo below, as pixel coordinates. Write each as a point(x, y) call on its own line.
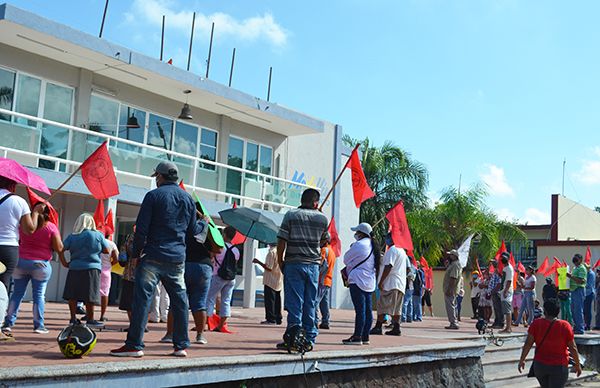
point(577, 222)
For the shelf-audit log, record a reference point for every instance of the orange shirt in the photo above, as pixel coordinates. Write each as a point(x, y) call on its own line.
point(328, 250)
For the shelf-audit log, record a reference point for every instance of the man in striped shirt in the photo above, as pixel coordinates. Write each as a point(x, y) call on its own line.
point(299, 255)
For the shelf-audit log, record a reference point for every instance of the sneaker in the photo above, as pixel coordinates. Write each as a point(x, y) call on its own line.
point(352, 341)
point(167, 339)
point(6, 330)
point(395, 332)
point(281, 346)
point(377, 330)
point(41, 330)
point(125, 351)
point(451, 327)
point(324, 326)
point(365, 341)
point(94, 324)
point(200, 339)
point(80, 310)
point(268, 323)
point(103, 319)
point(179, 353)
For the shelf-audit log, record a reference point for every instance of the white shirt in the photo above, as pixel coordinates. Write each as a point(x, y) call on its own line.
point(475, 290)
point(11, 212)
point(364, 275)
point(105, 257)
point(396, 279)
point(509, 274)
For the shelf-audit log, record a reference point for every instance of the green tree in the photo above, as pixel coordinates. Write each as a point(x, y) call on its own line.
point(448, 223)
point(393, 175)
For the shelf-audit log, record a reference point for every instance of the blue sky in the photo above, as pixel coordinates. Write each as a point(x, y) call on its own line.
point(498, 91)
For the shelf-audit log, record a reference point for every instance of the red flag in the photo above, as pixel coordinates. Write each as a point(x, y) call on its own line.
point(588, 256)
point(360, 187)
point(424, 263)
point(597, 264)
point(170, 61)
point(544, 267)
point(499, 256)
point(34, 199)
point(182, 185)
point(99, 175)
point(552, 268)
point(238, 238)
point(109, 224)
point(521, 267)
point(399, 227)
point(99, 216)
point(511, 261)
point(429, 278)
point(336, 244)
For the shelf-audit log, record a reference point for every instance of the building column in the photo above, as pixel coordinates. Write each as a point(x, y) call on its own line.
point(250, 247)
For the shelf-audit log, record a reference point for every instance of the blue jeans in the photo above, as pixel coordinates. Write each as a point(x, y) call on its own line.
point(587, 310)
point(197, 281)
point(300, 282)
point(364, 312)
point(417, 307)
point(323, 305)
point(577, 298)
point(147, 275)
point(225, 288)
point(39, 272)
point(527, 305)
point(407, 306)
point(459, 300)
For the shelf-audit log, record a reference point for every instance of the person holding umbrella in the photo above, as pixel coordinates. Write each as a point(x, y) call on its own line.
point(14, 213)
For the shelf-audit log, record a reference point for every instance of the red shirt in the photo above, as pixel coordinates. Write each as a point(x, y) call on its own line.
point(554, 350)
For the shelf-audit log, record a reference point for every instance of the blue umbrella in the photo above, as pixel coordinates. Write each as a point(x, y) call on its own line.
point(252, 223)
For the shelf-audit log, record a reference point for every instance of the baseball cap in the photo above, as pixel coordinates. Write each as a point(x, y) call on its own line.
point(505, 255)
point(168, 169)
point(453, 252)
point(363, 227)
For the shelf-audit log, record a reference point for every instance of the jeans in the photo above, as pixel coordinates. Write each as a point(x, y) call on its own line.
point(417, 312)
point(300, 282)
point(39, 272)
point(407, 306)
point(459, 299)
point(272, 305)
point(147, 275)
point(218, 285)
point(587, 310)
point(9, 256)
point(364, 312)
point(323, 305)
point(497, 304)
point(527, 307)
point(577, 297)
point(597, 326)
point(197, 281)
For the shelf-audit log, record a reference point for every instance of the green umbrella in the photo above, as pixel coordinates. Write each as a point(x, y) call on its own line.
point(212, 228)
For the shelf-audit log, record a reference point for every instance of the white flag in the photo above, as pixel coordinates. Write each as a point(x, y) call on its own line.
point(463, 251)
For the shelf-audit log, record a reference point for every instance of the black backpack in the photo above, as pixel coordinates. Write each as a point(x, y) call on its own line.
point(228, 267)
point(418, 282)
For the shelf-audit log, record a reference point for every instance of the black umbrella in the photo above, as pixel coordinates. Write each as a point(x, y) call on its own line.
point(252, 223)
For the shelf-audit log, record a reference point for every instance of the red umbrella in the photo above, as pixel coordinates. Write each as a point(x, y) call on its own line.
point(13, 170)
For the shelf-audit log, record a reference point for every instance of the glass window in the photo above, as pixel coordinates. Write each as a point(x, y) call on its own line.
point(251, 159)
point(104, 116)
point(58, 106)
point(7, 91)
point(208, 148)
point(132, 124)
point(266, 160)
point(28, 98)
point(186, 141)
point(235, 157)
point(160, 134)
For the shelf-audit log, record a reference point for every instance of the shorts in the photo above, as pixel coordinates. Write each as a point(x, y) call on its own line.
point(197, 283)
point(426, 299)
point(83, 285)
point(506, 307)
point(517, 300)
point(483, 301)
point(390, 302)
point(126, 298)
point(105, 279)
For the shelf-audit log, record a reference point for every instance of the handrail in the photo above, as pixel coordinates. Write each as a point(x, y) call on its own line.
point(150, 147)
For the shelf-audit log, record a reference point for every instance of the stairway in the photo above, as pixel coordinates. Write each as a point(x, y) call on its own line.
point(500, 367)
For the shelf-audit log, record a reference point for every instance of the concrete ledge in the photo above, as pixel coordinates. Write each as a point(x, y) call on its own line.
point(192, 371)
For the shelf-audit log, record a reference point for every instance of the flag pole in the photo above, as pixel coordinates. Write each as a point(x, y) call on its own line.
point(379, 221)
point(337, 179)
point(64, 183)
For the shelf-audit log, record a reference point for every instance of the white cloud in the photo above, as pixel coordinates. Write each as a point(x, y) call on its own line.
point(250, 29)
point(506, 214)
point(535, 216)
point(589, 174)
point(496, 181)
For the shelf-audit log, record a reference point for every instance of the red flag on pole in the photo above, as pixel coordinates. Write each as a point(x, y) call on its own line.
point(99, 175)
point(424, 263)
point(182, 185)
point(170, 61)
point(99, 216)
point(336, 244)
point(552, 268)
point(499, 255)
point(544, 267)
point(34, 198)
point(521, 267)
point(596, 265)
point(360, 187)
point(399, 227)
point(109, 224)
point(238, 238)
point(588, 256)
point(511, 261)
point(429, 278)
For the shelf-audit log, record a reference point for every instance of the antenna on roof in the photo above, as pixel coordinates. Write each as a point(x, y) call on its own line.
point(231, 70)
point(212, 31)
point(269, 88)
point(162, 38)
point(191, 41)
point(103, 19)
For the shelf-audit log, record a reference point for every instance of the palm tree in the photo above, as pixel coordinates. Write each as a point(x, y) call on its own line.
point(393, 175)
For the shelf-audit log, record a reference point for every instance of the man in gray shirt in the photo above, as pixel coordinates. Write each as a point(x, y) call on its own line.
point(299, 255)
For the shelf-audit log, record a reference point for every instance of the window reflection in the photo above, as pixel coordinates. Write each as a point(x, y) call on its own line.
point(28, 98)
point(7, 91)
point(160, 132)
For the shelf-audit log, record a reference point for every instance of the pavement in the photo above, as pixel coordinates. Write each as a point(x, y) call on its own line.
point(249, 337)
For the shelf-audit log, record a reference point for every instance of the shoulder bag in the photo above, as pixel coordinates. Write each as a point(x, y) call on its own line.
point(531, 371)
point(345, 273)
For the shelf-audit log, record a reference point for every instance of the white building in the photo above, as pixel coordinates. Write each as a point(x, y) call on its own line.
point(63, 92)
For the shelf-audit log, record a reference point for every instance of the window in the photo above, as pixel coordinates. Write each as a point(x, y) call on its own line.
point(235, 157)
point(208, 148)
point(58, 104)
point(28, 98)
point(266, 160)
point(249, 156)
point(132, 126)
point(186, 141)
point(160, 133)
point(251, 159)
point(104, 116)
point(7, 91)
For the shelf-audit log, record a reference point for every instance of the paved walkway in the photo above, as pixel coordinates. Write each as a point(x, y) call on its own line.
point(250, 337)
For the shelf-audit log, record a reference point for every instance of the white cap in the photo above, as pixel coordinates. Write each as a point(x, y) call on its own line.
point(363, 227)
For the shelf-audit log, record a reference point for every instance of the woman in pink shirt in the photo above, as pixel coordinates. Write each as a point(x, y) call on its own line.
point(35, 253)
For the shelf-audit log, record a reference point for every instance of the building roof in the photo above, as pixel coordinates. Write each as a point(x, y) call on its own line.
point(33, 33)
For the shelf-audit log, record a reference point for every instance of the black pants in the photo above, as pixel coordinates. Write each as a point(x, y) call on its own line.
point(551, 376)
point(475, 307)
point(9, 256)
point(498, 316)
point(273, 305)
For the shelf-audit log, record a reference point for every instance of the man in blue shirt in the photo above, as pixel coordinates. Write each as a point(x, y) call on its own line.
point(167, 215)
point(590, 297)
